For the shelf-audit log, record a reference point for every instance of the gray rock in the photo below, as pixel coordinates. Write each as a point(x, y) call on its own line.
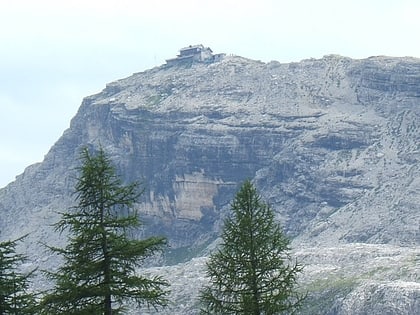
point(348, 279)
point(333, 144)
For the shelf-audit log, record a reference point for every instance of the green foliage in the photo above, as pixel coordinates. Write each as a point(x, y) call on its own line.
point(14, 295)
point(98, 275)
point(324, 293)
point(252, 272)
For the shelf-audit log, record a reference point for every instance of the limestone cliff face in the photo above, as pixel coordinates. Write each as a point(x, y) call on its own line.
point(333, 144)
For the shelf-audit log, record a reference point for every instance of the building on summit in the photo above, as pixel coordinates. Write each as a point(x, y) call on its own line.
point(194, 53)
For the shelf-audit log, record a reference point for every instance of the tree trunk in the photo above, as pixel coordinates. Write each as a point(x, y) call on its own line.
point(2, 306)
point(107, 277)
point(108, 305)
point(107, 266)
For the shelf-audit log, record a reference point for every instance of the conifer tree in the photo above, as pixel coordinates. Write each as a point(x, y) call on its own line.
point(252, 271)
point(98, 274)
point(14, 295)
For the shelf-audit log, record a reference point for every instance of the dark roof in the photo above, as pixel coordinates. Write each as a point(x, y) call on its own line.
point(192, 47)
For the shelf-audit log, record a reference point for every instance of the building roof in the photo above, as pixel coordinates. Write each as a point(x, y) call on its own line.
point(192, 47)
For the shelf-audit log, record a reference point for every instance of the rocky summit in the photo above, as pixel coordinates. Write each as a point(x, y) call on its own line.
point(333, 144)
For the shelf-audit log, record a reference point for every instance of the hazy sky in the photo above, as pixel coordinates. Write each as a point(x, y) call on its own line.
point(54, 53)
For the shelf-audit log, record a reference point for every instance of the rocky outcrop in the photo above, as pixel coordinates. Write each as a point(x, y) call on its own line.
point(333, 144)
point(347, 279)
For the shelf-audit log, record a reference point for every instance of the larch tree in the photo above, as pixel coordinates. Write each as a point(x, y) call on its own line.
point(99, 271)
point(252, 272)
point(15, 297)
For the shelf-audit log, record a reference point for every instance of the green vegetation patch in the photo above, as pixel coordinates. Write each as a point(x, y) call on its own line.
point(323, 294)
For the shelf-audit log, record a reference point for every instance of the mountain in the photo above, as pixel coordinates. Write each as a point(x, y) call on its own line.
point(333, 144)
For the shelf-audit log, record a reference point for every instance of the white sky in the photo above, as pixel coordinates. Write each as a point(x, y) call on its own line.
point(53, 53)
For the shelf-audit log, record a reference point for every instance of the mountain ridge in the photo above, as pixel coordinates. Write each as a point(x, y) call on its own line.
point(333, 144)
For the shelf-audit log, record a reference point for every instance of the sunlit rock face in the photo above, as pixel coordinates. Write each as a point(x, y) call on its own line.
point(333, 144)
